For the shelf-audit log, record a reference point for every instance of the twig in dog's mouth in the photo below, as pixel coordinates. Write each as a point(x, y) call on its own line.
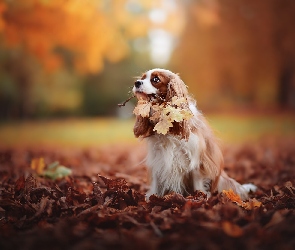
point(124, 103)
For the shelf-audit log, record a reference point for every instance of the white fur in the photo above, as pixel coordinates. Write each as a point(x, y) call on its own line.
point(171, 160)
point(146, 86)
point(249, 187)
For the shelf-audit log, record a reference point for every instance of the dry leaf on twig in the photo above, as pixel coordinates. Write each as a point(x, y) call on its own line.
point(163, 115)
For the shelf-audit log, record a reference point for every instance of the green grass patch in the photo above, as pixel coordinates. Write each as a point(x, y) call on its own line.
point(243, 128)
point(72, 132)
point(101, 131)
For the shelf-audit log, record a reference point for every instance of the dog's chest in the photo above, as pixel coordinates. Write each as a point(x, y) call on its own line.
point(168, 153)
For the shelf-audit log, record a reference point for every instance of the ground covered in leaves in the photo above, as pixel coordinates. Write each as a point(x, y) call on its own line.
point(101, 204)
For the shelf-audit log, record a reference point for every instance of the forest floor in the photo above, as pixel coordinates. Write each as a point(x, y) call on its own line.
point(101, 203)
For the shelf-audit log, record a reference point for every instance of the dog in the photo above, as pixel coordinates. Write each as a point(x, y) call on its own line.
point(188, 157)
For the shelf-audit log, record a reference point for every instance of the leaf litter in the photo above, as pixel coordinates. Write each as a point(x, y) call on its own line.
point(104, 206)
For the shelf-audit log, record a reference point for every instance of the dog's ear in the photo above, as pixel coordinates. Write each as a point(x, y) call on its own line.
point(176, 87)
point(142, 127)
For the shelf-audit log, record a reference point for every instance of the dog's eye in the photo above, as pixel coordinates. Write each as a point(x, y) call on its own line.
point(156, 79)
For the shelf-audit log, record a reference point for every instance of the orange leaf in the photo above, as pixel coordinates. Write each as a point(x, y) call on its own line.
point(231, 229)
point(38, 165)
point(252, 203)
point(233, 196)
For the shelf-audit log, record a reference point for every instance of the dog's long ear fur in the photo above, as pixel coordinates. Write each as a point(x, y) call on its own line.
point(176, 87)
point(142, 127)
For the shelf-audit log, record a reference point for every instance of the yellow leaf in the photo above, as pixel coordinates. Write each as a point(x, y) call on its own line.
point(162, 127)
point(38, 165)
point(143, 108)
point(174, 114)
point(163, 115)
point(186, 113)
point(178, 101)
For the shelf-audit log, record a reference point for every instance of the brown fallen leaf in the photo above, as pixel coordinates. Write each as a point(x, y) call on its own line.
point(30, 184)
point(276, 218)
point(231, 229)
point(252, 203)
point(39, 211)
point(20, 184)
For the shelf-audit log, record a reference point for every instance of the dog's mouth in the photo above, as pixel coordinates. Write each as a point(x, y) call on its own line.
point(146, 97)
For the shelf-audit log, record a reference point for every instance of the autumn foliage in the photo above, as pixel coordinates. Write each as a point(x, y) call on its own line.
point(60, 57)
point(84, 28)
point(163, 115)
point(239, 53)
point(102, 203)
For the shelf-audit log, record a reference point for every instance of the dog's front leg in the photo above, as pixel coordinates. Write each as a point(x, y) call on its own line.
point(155, 187)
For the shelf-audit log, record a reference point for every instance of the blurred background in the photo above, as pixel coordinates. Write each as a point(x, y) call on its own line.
point(65, 65)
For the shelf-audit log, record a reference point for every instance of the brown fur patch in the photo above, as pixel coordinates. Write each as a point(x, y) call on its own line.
point(176, 87)
point(143, 127)
point(162, 86)
point(143, 76)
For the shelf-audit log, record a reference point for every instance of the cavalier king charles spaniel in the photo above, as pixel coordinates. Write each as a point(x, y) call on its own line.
point(187, 158)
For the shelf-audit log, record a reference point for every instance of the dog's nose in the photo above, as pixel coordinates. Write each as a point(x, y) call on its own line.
point(138, 83)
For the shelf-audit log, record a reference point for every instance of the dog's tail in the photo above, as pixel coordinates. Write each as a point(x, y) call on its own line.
point(226, 183)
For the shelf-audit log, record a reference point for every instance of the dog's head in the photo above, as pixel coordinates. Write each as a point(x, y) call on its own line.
point(159, 85)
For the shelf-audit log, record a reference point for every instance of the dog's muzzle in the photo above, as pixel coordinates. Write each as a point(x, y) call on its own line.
point(138, 83)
